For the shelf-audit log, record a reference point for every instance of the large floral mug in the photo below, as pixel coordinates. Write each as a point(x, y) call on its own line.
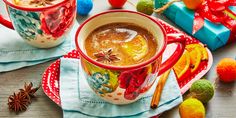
point(42, 27)
point(126, 84)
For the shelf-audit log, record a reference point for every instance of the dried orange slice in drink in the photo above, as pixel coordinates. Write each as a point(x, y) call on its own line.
point(182, 67)
point(136, 48)
point(16, 1)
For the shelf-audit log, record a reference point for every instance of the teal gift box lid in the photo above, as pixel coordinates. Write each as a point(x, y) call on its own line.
point(214, 35)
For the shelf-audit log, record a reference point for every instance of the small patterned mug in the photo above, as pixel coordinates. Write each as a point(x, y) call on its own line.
point(126, 84)
point(42, 27)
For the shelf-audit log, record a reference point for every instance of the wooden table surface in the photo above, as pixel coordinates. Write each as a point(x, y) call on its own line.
point(223, 105)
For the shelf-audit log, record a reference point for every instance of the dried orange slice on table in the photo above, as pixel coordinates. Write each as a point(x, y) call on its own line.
point(195, 59)
point(190, 61)
point(203, 50)
point(198, 53)
point(182, 67)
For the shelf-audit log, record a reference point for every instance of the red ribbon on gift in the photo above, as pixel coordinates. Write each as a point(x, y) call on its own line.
point(216, 11)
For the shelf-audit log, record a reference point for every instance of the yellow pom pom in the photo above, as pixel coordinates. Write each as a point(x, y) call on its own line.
point(192, 108)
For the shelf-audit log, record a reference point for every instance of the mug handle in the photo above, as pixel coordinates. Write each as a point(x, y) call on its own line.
point(6, 23)
point(180, 39)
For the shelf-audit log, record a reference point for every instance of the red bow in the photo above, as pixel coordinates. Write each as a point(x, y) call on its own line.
point(216, 11)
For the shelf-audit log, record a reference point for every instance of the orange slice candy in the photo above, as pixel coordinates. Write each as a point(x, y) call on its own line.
point(182, 67)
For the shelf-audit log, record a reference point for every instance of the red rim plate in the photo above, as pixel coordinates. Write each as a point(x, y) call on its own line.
point(50, 80)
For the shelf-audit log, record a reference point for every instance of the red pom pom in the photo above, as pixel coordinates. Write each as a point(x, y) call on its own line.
point(226, 70)
point(117, 3)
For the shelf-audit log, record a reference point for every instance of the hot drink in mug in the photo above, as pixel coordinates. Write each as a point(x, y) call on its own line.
point(121, 54)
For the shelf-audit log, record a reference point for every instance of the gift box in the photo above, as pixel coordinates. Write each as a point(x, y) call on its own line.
point(213, 33)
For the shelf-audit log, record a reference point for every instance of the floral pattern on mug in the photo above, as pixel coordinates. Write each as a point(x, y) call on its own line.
point(27, 24)
point(102, 81)
point(56, 21)
point(150, 79)
point(131, 82)
point(138, 81)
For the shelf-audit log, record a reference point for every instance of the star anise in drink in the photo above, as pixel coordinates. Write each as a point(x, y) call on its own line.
point(41, 2)
point(18, 102)
point(28, 91)
point(106, 56)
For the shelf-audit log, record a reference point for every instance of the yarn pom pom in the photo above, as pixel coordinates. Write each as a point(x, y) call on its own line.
point(145, 6)
point(203, 90)
point(192, 108)
point(84, 7)
point(226, 70)
point(117, 3)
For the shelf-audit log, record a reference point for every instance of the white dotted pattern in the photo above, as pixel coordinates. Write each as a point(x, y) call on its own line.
point(50, 81)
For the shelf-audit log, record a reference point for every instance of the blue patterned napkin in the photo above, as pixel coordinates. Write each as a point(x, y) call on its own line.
point(15, 53)
point(79, 101)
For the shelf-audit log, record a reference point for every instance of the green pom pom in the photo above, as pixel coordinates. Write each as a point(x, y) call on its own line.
point(203, 90)
point(145, 6)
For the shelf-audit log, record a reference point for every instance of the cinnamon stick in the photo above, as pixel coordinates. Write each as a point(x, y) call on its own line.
point(157, 94)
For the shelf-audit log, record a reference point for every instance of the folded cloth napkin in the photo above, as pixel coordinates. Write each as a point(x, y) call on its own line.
point(15, 53)
point(79, 101)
